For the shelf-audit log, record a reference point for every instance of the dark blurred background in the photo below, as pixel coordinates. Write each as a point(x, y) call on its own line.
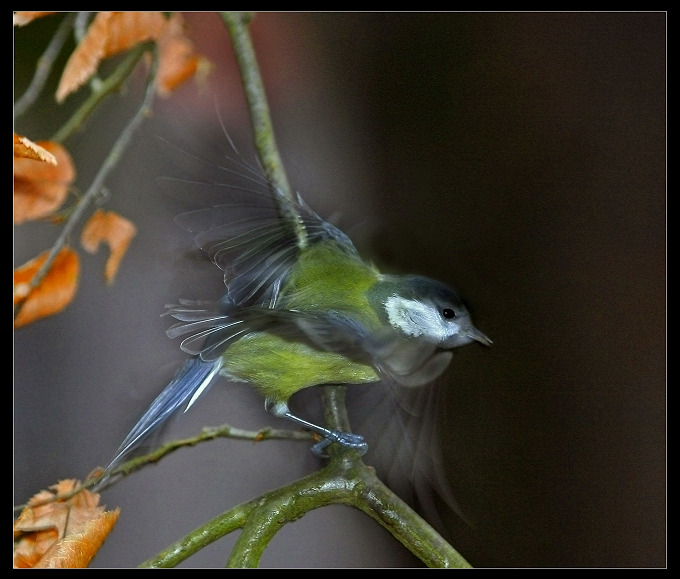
point(518, 156)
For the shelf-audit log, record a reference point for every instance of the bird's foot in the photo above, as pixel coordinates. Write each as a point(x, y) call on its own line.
point(346, 439)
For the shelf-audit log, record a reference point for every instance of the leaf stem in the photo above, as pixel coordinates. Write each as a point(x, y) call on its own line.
point(108, 86)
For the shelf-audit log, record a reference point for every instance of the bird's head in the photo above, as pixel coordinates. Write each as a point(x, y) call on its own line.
point(423, 308)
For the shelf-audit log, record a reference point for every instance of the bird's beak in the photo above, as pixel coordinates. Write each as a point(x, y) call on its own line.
point(475, 334)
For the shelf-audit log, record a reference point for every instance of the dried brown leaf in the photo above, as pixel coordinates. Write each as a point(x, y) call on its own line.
point(85, 59)
point(40, 188)
point(55, 291)
point(25, 148)
point(129, 28)
point(61, 532)
point(110, 33)
point(23, 18)
point(112, 229)
point(75, 551)
point(178, 60)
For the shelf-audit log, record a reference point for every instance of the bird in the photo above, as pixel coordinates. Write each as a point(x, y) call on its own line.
point(301, 308)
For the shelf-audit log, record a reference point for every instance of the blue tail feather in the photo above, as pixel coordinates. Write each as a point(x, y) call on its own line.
point(191, 380)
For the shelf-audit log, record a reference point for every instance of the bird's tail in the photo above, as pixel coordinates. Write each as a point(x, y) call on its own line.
point(192, 379)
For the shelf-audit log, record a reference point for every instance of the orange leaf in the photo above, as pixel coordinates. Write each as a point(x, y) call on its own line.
point(23, 18)
point(177, 59)
point(85, 58)
point(129, 28)
point(110, 33)
point(25, 148)
point(61, 532)
point(76, 550)
point(40, 188)
point(114, 230)
point(55, 291)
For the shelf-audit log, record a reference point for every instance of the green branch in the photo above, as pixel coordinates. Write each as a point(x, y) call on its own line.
point(344, 481)
point(263, 132)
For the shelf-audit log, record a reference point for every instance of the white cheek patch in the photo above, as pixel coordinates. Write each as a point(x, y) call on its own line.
point(415, 318)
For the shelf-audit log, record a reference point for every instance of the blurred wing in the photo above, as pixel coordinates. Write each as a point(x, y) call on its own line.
point(255, 245)
point(407, 362)
point(399, 422)
point(330, 331)
point(402, 430)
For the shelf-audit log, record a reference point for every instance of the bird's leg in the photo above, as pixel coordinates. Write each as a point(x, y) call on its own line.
point(346, 439)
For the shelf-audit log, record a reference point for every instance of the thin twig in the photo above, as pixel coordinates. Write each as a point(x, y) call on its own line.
point(208, 433)
point(44, 65)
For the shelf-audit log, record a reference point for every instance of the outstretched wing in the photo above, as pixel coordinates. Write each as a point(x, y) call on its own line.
point(256, 243)
point(402, 428)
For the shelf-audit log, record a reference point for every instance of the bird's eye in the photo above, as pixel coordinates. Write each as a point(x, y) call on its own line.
point(448, 313)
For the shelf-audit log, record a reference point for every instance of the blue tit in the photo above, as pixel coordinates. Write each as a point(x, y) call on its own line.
point(301, 309)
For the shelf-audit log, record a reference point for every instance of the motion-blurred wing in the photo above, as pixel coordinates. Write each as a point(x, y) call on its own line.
point(255, 245)
point(401, 427)
point(407, 362)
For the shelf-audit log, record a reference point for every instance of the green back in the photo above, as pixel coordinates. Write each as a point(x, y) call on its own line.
point(326, 277)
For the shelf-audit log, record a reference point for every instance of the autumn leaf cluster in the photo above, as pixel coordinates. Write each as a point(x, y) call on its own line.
point(61, 528)
point(45, 172)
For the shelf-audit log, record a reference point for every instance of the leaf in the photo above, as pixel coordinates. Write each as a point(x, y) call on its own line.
point(40, 187)
point(114, 32)
point(178, 60)
point(114, 230)
point(54, 292)
point(110, 33)
point(61, 532)
point(25, 148)
point(23, 18)
point(77, 549)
